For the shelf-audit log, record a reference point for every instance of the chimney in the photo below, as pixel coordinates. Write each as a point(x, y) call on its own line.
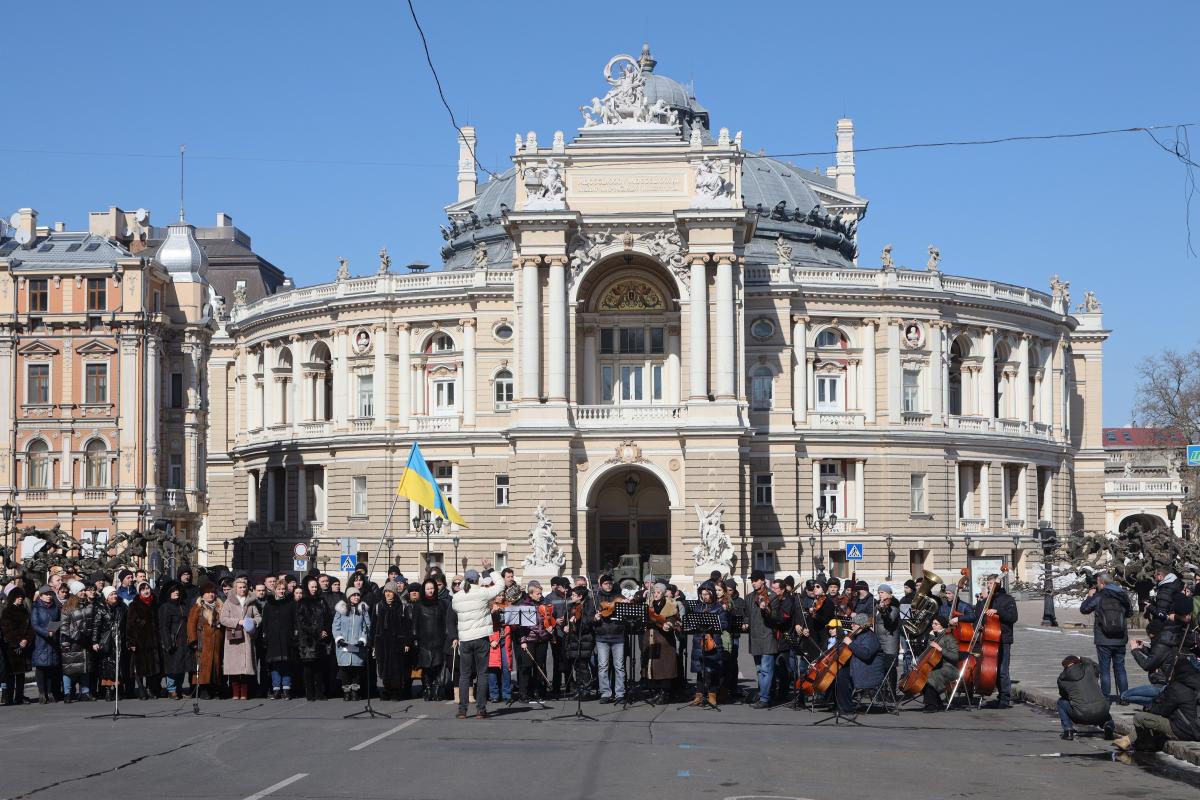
point(845, 155)
point(27, 223)
point(59, 227)
point(466, 163)
point(224, 220)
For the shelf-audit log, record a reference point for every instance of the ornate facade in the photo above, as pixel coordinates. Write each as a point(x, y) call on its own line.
point(663, 341)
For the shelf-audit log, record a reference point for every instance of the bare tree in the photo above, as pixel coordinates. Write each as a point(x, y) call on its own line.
point(1168, 400)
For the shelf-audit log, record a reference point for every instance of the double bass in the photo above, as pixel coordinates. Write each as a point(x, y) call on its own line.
point(979, 646)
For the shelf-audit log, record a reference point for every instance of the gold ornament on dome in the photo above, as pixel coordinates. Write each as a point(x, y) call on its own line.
point(632, 296)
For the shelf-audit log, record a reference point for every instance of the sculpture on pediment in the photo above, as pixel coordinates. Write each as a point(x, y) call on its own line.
point(545, 187)
point(885, 258)
point(543, 544)
point(668, 247)
point(1090, 304)
point(586, 249)
point(343, 272)
point(239, 294)
point(385, 261)
point(625, 103)
point(1061, 290)
point(783, 249)
point(481, 256)
point(935, 255)
point(715, 548)
point(712, 188)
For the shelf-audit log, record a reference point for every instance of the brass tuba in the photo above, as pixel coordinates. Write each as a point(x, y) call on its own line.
point(924, 607)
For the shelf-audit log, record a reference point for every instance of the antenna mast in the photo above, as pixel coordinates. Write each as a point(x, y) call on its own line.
point(181, 148)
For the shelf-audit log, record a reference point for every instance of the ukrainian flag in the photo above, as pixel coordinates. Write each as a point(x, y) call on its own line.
point(418, 485)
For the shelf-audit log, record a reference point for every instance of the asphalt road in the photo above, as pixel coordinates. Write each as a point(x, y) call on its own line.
point(263, 748)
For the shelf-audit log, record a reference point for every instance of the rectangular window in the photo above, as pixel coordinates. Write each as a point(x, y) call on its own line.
point(93, 543)
point(764, 489)
point(631, 383)
point(366, 396)
point(916, 493)
point(657, 337)
point(633, 340)
point(764, 560)
point(358, 495)
point(39, 295)
point(501, 490)
point(176, 390)
point(831, 487)
point(96, 383)
point(157, 307)
point(911, 390)
point(504, 390)
point(175, 475)
point(829, 394)
point(656, 380)
point(761, 391)
point(606, 341)
point(38, 389)
point(606, 383)
point(445, 481)
point(97, 294)
point(443, 397)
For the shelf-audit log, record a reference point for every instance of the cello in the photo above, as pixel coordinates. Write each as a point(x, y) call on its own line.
point(914, 682)
point(979, 646)
point(823, 672)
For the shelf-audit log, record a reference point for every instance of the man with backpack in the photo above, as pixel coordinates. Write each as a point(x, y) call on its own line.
point(1112, 608)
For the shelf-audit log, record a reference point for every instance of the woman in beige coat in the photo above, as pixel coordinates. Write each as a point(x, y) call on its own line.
point(240, 618)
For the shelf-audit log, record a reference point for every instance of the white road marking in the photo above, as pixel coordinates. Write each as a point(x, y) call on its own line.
point(386, 734)
point(1058, 632)
point(276, 787)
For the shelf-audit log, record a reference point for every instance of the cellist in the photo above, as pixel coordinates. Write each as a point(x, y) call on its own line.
point(943, 676)
point(1005, 608)
point(866, 667)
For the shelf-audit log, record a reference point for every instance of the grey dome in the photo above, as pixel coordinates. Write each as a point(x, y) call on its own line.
point(483, 226)
point(180, 253)
point(782, 196)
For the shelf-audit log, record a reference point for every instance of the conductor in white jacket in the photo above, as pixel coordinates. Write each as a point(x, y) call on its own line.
point(472, 605)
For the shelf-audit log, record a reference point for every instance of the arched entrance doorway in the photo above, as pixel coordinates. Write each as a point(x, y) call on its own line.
point(1147, 522)
point(629, 513)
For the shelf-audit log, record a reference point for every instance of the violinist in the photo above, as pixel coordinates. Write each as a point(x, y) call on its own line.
point(1004, 607)
point(942, 678)
point(763, 643)
point(560, 589)
point(887, 628)
point(735, 608)
point(658, 643)
point(610, 643)
point(579, 641)
point(865, 667)
point(533, 644)
point(785, 619)
point(863, 602)
point(707, 648)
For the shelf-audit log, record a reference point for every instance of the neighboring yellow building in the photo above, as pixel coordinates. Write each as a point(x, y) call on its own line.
point(641, 325)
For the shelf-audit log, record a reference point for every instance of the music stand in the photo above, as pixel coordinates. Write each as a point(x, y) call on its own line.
point(633, 616)
point(579, 688)
point(117, 713)
point(368, 710)
point(837, 716)
point(701, 622)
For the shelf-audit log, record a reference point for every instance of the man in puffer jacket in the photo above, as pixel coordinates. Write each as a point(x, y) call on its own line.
point(1080, 699)
point(1172, 715)
point(472, 607)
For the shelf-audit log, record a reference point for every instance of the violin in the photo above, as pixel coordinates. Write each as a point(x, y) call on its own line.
point(546, 612)
point(819, 604)
point(608, 606)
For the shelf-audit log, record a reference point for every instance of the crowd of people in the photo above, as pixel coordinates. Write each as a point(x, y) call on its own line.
point(280, 636)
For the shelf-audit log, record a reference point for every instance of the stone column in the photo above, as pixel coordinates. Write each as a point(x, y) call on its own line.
point(269, 389)
point(1023, 493)
point(988, 381)
point(985, 494)
point(895, 378)
point(251, 497)
point(302, 495)
point(937, 374)
point(153, 397)
point(726, 315)
point(128, 412)
point(404, 367)
point(531, 336)
point(271, 489)
point(860, 493)
point(869, 366)
point(1023, 402)
point(816, 485)
point(469, 379)
point(239, 395)
point(698, 315)
point(556, 337)
point(799, 370)
point(299, 404)
point(674, 379)
point(379, 383)
point(589, 365)
point(8, 375)
point(341, 377)
point(419, 389)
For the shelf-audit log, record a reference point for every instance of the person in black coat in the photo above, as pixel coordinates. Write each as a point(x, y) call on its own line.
point(17, 633)
point(1174, 714)
point(108, 625)
point(173, 638)
point(1004, 607)
point(433, 634)
point(1159, 613)
point(277, 633)
point(313, 623)
point(392, 635)
point(579, 639)
point(141, 638)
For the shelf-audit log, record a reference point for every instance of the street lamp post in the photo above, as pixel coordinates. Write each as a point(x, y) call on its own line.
point(8, 515)
point(455, 541)
point(1172, 512)
point(427, 525)
point(225, 543)
point(812, 549)
point(821, 524)
point(890, 555)
point(1049, 539)
point(390, 543)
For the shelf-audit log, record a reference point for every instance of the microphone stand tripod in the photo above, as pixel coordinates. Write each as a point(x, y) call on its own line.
point(368, 710)
point(117, 713)
point(579, 687)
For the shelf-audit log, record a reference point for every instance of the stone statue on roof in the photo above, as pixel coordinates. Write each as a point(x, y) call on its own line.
point(935, 255)
point(713, 190)
point(343, 272)
point(885, 258)
point(385, 261)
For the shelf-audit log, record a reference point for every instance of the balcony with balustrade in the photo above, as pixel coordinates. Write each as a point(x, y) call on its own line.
point(610, 416)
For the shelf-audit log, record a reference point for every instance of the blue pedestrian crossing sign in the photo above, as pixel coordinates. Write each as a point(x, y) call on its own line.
point(349, 562)
point(854, 551)
point(1193, 455)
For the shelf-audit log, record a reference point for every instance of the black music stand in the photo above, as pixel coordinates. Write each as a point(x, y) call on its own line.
point(633, 617)
point(701, 622)
point(522, 617)
point(368, 710)
point(837, 716)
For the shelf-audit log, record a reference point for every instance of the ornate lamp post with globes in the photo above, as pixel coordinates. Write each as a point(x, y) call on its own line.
point(820, 524)
point(427, 525)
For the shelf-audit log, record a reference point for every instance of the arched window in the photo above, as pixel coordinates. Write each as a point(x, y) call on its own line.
point(959, 350)
point(504, 390)
point(38, 460)
point(1000, 399)
point(832, 338)
point(284, 410)
point(762, 389)
point(441, 344)
point(95, 475)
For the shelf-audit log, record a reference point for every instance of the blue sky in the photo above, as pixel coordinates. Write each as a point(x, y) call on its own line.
point(300, 83)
